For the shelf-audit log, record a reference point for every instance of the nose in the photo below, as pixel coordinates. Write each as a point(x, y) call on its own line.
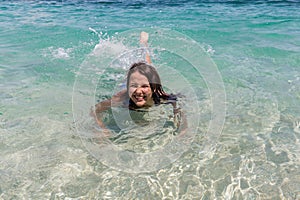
point(139, 90)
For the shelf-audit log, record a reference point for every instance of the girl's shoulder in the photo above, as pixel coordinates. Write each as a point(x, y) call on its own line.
point(120, 98)
point(170, 98)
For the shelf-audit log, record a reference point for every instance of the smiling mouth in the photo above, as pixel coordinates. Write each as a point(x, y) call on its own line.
point(139, 98)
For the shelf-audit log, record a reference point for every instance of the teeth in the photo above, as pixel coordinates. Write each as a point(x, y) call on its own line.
point(139, 97)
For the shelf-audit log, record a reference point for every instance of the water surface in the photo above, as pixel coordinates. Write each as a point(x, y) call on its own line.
point(256, 47)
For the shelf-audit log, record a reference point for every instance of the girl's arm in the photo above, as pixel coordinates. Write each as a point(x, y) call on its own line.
point(115, 101)
point(180, 120)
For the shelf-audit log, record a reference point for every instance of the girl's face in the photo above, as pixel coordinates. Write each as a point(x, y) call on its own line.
point(139, 90)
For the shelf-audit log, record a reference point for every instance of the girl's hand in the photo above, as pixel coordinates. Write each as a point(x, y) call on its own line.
point(105, 132)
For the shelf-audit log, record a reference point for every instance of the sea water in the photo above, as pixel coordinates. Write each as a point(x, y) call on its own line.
point(50, 49)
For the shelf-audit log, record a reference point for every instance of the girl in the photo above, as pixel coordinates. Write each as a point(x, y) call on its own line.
point(143, 90)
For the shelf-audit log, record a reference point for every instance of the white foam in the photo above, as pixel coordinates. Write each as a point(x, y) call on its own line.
point(209, 50)
point(107, 44)
point(62, 53)
point(109, 47)
point(58, 53)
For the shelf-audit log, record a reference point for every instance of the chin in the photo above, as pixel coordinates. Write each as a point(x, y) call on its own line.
point(140, 104)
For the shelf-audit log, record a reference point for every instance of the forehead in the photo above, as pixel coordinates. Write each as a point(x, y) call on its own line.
point(137, 77)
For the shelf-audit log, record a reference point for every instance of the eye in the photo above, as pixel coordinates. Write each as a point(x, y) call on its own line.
point(145, 86)
point(133, 85)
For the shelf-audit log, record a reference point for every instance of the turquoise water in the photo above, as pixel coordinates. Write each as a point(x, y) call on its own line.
point(50, 49)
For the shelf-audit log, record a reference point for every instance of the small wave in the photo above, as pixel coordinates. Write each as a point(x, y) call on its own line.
point(58, 53)
point(107, 45)
point(209, 49)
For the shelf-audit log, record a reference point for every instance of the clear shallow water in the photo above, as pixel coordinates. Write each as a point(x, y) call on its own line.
point(256, 48)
